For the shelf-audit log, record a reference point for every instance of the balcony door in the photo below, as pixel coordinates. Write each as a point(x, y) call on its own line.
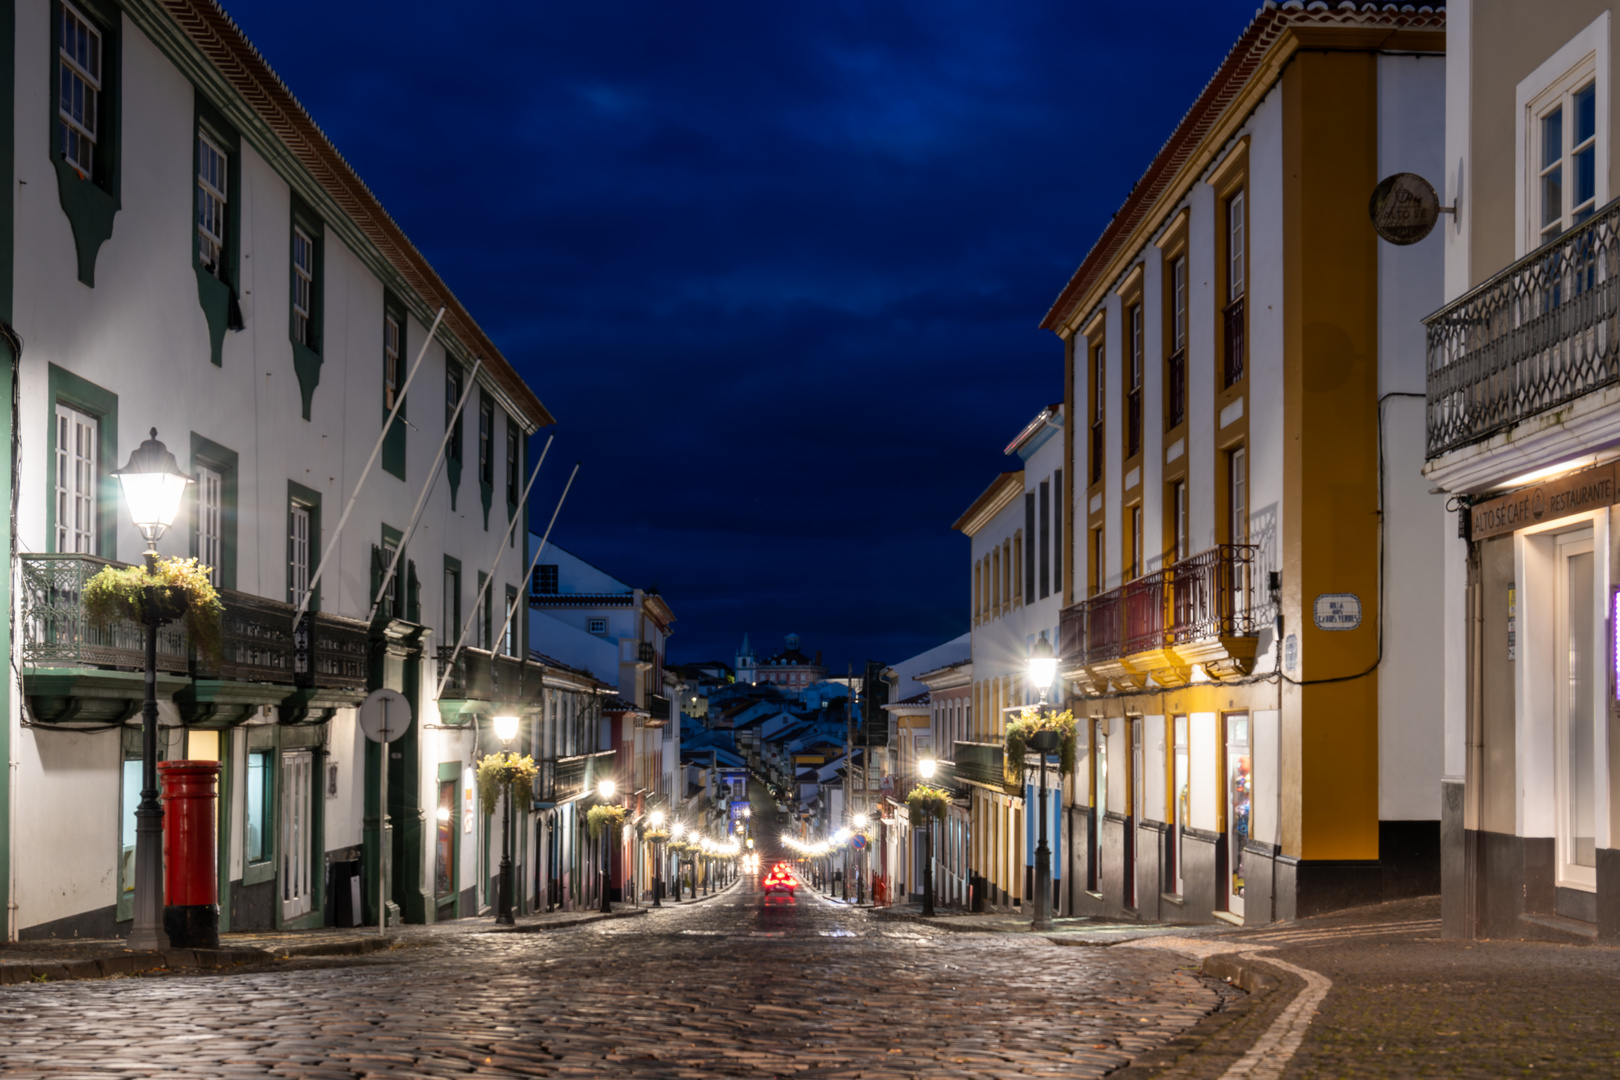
point(296, 839)
point(1239, 801)
point(1576, 671)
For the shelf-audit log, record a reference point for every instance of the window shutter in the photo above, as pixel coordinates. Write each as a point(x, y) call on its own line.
point(413, 593)
point(378, 569)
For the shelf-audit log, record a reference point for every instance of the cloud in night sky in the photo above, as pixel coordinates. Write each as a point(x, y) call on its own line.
point(776, 268)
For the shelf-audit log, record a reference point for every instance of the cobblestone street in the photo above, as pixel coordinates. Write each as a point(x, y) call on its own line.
point(734, 987)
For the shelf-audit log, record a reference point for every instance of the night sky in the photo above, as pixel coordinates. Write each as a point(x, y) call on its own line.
point(777, 268)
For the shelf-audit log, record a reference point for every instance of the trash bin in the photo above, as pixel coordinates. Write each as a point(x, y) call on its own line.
point(976, 893)
point(191, 889)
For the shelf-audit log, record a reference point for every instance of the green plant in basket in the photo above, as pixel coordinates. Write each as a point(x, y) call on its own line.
point(178, 589)
point(1031, 721)
point(499, 771)
point(928, 802)
point(602, 816)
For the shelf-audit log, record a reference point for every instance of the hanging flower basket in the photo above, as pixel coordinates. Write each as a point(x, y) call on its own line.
point(178, 590)
point(1032, 722)
point(501, 772)
point(655, 836)
point(604, 815)
point(928, 802)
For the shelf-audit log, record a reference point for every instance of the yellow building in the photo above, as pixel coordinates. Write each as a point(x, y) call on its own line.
point(1252, 629)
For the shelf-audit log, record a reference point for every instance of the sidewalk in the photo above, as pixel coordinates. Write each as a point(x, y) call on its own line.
point(60, 959)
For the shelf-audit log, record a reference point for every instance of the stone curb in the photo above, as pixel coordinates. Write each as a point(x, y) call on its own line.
point(564, 924)
point(1241, 972)
point(134, 963)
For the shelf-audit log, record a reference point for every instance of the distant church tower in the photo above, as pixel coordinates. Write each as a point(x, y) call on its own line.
point(747, 667)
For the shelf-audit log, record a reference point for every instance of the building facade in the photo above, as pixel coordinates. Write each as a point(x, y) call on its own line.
point(1252, 634)
point(1523, 428)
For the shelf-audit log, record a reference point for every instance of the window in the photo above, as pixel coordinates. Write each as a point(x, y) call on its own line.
point(1237, 488)
point(451, 623)
point(1006, 575)
point(514, 470)
point(1133, 568)
point(210, 520)
point(1057, 530)
point(212, 164)
point(76, 481)
point(1018, 568)
point(597, 626)
point(486, 436)
point(257, 837)
point(1566, 189)
point(1029, 547)
point(1176, 376)
point(510, 645)
point(78, 106)
point(1133, 381)
point(995, 581)
point(452, 398)
point(545, 579)
point(298, 553)
point(1097, 385)
point(1097, 552)
point(303, 287)
point(1045, 546)
point(391, 375)
point(393, 604)
point(486, 631)
point(1236, 281)
point(1179, 523)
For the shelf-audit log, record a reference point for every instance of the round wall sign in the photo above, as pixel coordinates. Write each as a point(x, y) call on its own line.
point(1404, 208)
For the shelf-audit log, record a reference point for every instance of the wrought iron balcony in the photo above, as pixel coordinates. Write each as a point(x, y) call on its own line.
point(333, 654)
point(658, 709)
point(1206, 598)
point(56, 633)
point(575, 776)
point(1175, 404)
point(1232, 319)
point(981, 763)
point(1541, 333)
point(1133, 422)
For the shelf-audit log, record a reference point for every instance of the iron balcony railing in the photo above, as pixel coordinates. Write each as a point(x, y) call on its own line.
point(477, 675)
point(1541, 333)
point(658, 708)
point(981, 763)
point(577, 775)
point(56, 633)
point(1133, 422)
point(1204, 597)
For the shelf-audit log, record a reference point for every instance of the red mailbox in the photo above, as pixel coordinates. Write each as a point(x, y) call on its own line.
point(191, 893)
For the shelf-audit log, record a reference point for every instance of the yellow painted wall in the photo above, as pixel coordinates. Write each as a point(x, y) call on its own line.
point(1330, 525)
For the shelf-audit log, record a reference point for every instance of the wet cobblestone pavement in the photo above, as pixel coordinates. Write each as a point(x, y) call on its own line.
point(737, 987)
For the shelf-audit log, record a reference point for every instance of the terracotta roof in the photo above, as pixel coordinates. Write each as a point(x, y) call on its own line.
point(1235, 72)
point(247, 72)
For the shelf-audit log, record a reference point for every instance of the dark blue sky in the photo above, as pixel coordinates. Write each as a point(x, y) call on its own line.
point(777, 268)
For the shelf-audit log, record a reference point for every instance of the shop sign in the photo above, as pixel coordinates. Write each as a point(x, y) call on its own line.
point(1589, 489)
point(1337, 611)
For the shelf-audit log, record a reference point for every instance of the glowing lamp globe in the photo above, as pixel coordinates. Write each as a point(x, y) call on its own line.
point(506, 728)
point(606, 789)
point(860, 821)
point(153, 487)
point(925, 768)
point(657, 818)
point(1043, 663)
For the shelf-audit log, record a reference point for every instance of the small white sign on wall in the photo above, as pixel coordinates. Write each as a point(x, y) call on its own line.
point(1337, 611)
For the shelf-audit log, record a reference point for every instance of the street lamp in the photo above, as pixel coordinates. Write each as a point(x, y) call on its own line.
point(153, 485)
point(604, 791)
point(925, 769)
point(1043, 664)
point(656, 819)
point(506, 728)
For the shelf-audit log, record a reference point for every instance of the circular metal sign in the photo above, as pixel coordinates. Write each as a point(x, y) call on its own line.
point(857, 841)
point(1404, 208)
point(385, 715)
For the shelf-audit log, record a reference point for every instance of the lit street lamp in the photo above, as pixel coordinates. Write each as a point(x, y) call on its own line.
point(925, 769)
point(1043, 665)
point(153, 486)
point(604, 791)
point(505, 730)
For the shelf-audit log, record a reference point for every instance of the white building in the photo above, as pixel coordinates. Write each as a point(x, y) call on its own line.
point(186, 251)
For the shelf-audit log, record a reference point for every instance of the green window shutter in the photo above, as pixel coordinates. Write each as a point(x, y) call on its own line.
point(413, 593)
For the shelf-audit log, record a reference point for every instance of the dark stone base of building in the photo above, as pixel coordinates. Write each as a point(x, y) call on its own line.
point(1501, 886)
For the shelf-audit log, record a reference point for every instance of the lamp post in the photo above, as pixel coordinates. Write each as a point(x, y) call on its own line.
point(657, 820)
point(505, 730)
point(676, 831)
point(153, 485)
point(1043, 664)
point(925, 769)
point(604, 791)
point(860, 873)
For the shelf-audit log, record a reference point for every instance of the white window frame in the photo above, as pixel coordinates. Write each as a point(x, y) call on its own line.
point(303, 284)
point(1237, 255)
point(210, 519)
point(390, 361)
point(1583, 57)
point(212, 180)
point(78, 437)
point(1178, 310)
point(298, 525)
point(89, 84)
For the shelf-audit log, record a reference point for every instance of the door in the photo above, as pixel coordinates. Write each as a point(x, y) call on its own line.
point(1239, 798)
point(1135, 795)
point(1180, 800)
point(444, 858)
point(1099, 798)
point(295, 834)
point(1575, 681)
